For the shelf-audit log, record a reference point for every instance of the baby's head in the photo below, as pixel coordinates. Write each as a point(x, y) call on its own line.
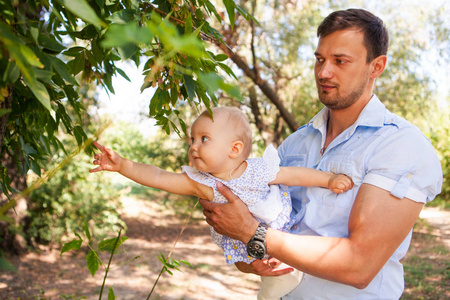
point(228, 128)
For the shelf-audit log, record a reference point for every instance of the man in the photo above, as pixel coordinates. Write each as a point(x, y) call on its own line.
point(349, 245)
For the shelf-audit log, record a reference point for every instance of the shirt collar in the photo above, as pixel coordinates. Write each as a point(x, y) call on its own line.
point(372, 115)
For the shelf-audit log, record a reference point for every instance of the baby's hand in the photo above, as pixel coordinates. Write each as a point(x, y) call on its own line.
point(340, 183)
point(107, 160)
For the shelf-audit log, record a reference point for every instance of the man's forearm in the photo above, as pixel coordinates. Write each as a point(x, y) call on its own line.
point(330, 258)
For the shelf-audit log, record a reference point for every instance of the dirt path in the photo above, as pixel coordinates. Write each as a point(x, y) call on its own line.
point(152, 229)
point(440, 220)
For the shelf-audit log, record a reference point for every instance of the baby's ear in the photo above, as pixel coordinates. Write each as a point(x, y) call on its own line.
point(236, 149)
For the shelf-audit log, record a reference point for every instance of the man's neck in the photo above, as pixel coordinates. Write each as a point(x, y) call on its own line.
point(340, 120)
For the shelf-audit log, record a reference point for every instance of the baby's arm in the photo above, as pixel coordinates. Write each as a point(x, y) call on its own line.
point(300, 176)
point(149, 175)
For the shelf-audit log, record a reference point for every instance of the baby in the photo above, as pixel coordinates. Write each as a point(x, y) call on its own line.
point(221, 145)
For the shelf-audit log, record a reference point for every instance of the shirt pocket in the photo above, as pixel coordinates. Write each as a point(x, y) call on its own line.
point(295, 160)
point(339, 163)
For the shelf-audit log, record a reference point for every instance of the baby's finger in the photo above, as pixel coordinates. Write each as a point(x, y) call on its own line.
point(99, 147)
point(108, 151)
point(99, 168)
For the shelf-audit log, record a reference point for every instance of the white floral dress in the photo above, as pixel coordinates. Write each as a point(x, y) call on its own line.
point(268, 204)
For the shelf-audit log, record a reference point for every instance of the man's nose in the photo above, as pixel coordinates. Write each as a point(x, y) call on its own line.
point(326, 70)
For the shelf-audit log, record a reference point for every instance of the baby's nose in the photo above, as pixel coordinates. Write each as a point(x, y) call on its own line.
point(194, 147)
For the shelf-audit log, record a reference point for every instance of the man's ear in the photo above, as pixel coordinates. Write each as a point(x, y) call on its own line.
point(236, 149)
point(378, 66)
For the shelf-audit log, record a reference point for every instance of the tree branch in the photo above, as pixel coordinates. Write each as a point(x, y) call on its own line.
point(263, 85)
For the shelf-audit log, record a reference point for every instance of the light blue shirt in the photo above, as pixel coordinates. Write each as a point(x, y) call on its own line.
point(381, 149)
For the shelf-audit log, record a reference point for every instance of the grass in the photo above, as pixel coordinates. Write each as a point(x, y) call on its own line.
point(427, 266)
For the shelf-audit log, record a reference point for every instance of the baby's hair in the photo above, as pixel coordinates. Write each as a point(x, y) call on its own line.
point(238, 122)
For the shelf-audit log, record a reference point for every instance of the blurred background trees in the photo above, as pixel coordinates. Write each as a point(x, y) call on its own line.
point(54, 55)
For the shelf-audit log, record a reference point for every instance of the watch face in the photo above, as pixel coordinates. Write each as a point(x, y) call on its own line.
point(256, 249)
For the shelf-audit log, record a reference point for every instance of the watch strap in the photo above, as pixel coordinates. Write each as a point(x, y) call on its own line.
point(261, 232)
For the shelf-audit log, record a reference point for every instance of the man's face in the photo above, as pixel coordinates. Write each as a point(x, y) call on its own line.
point(341, 72)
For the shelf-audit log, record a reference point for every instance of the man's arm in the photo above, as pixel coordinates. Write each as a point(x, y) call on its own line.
point(378, 224)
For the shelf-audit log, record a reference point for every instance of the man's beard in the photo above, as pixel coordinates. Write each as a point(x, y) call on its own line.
point(338, 101)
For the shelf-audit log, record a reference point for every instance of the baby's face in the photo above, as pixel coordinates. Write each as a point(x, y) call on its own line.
point(210, 144)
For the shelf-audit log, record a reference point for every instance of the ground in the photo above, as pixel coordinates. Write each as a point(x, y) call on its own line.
point(153, 229)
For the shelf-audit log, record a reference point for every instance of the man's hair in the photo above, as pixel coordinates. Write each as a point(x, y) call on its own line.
point(376, 37)
point(238, 123)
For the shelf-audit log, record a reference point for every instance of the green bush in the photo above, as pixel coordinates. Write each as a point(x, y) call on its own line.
point(72, 196)
point(439, 135)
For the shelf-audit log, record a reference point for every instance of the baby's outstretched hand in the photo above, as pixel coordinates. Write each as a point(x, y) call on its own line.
point(340, 183)
point(107, 160)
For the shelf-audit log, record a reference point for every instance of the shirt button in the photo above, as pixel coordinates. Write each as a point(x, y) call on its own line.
point(295, 226)
point(304, 200)
point(409, 175)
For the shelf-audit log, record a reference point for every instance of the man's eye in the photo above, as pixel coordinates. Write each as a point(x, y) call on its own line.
point(204, 139)
point(319, 60)
point(340, 61)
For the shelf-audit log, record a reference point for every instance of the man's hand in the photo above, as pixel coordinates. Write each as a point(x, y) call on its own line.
point(107, 160)
point(264, 267)
point(232, 219)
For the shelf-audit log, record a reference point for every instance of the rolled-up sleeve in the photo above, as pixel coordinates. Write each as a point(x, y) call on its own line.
point(406, 165)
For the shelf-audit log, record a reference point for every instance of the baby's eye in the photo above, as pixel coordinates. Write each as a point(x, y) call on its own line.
point(204, 139)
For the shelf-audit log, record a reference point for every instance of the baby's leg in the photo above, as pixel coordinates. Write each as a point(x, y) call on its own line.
point(275, 287)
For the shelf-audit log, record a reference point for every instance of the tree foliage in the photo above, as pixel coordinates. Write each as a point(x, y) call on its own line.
point(49, 47)
point(49, 50)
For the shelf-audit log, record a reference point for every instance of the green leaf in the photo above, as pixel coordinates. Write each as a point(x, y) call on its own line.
point(40, 92)
point(123, 16)
point(74, 51)
point(79, 134)
point(108, 245)
point(186, 263)
point(62, 69)
point(153, 103)
point(246, 15)
point(23, 56)
point(190, 86)
point(214, 82)
point(227, 69)
point(123, 74)
point(230, 5)
point(73, 245)
point(50, 43)
point(86, 230)
point(120, 35)
point(77, 64)
point(4, 112)
point(12, 73)
point(111, 295)
point(82, 9)
point(221, 57)
point(44, 75)
point(96, 50)
point(188, 25)
point(127, 51)
point(92, 262)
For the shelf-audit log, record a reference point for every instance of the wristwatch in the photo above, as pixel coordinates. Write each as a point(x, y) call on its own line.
point(256, 247)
